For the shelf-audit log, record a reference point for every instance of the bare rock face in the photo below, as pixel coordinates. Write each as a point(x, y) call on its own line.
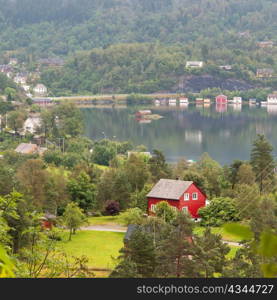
point(196, 83)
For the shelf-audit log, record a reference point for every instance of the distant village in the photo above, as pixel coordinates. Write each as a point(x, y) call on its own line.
point(29, 82)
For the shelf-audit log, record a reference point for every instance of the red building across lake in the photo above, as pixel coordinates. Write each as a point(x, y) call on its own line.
point(221, 99)
point(184, 195)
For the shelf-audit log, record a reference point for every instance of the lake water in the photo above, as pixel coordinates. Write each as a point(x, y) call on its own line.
point(225, 132)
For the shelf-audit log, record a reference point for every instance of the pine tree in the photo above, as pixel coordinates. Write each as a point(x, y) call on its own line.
point(209, 254)
point(262, 162)
point(138, 255)
point(174, 252)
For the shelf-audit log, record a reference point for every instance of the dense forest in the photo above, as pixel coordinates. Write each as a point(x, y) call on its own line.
point(142, 46)
point(62, 27)
point(148, 68)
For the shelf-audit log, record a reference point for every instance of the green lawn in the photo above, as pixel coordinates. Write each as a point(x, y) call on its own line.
point(105, 220)
point(59, 171)
point(218, 230)
point(232, 252)
point(98, 246)
point(101, 167)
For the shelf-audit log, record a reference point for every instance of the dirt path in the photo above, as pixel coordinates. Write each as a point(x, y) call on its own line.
point(111, 228)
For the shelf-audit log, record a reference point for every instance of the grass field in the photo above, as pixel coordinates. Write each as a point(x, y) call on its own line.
point(101, 247)
point(98, 246)
point(105, 220)
point(232, 252)
point(218, 230)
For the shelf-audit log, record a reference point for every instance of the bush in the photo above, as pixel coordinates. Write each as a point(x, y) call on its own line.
point(166, 211)
point(95, 214)
point(112, 208)
point(132, 216)
point(218, 212)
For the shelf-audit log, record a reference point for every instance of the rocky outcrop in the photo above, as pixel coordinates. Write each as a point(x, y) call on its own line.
point(196, 83)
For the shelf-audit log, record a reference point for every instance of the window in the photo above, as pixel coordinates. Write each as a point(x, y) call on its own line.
point(194, 196)
point(153, 207)
point(186, 196)
point(185, 209)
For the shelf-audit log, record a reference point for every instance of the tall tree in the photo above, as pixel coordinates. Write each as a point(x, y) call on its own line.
point(33, 177)
point(174, 252)
point(246, 175)
point(82, 191)
point(139, 254)
point(209, 254)
point(262, 162)
point(73, 218)
point(158, 166)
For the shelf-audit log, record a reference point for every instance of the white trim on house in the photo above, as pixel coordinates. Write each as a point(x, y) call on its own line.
point(186, 197)
point(153, 207)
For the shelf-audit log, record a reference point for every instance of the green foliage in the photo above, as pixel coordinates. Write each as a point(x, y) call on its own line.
point(6, 266)
point(158, 166)
point(239, 230)
point(268, 244)
point(132, 216)
point(258, 256)
point(210, 253)
point(262, 162)
point(73, 218)
point(102, 154)
point(155, 39)
point(219, 211)
point(82, 191)
point(212, 171)
point(165, 211)
point(62, 121)
point(197, 178)
point(139, 252)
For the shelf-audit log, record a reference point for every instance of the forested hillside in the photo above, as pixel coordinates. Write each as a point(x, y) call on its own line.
point(61, 27)
point(148, 68)
point(142, 46)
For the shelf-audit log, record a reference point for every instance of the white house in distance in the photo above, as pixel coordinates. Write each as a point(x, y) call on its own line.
point(13, 61)
point(21, 78)
point(237, 100)
point(194, 64)
point(31, 125)
point(272, 98)
point(26, 88)
point(40, 89)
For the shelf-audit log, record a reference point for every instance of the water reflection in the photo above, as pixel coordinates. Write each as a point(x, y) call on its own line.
point(226, 132)
point(221, 107)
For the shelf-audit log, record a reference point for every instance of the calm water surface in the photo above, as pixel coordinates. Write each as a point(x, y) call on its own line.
point(225, 132)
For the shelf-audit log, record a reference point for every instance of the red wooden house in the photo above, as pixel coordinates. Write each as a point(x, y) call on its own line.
point(221, 99)
point(183, 195)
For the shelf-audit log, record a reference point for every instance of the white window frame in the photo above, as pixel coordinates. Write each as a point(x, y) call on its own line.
point(153, 207)
point(186, 197)
point(193, 196)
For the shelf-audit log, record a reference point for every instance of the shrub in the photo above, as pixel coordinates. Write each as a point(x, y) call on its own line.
point(132, 216)
point(218, 212)
point(112, 208)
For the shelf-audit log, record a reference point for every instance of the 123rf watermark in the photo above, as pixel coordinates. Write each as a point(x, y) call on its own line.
point(227, 289)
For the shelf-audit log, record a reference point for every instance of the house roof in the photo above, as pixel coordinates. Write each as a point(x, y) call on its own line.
point(169, 189)
point(40, 86)
point(265, 70)
point(26, 148)
point(131, 228)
